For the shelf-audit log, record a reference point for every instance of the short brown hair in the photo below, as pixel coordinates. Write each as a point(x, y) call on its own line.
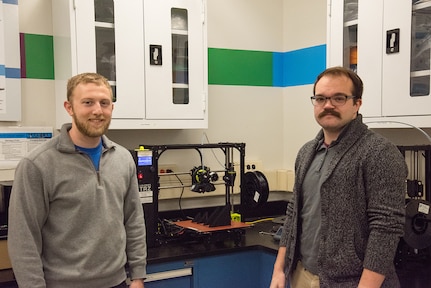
point(86, 78)
point(358, 86)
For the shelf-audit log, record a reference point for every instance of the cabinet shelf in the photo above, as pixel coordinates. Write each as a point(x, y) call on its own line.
point(351, 23)
point(104, 25)
point(179, 32)
point(180, 85)
point(421, 5)
point(420, 73)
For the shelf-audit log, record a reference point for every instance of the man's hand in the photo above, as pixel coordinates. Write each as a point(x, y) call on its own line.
point(278, 280)
point(278, 277)
point(137, 283)
point(371, 279)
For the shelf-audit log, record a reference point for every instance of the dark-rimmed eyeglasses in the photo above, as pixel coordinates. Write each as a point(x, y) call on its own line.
point(337, 100)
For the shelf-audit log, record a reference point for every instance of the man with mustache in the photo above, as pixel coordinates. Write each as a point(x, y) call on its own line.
point(347, 213)
point(75, 217)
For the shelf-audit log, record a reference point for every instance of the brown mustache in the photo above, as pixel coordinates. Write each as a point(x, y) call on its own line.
point(329, 112)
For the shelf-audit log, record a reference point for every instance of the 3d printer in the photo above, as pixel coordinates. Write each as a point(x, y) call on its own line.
point(253, 189)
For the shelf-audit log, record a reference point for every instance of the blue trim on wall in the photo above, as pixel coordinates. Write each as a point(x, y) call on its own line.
point(2, 70)
point(13, 73)
point(14, 2)
point(301, 67)
point(278, 64)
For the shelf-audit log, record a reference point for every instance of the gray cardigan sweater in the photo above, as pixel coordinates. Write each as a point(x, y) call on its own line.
point(362, 208)
point(73, 226)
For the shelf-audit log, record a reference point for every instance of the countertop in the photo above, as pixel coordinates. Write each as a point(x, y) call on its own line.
point(179, 249)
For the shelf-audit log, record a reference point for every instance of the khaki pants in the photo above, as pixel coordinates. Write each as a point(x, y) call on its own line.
point(301, 278)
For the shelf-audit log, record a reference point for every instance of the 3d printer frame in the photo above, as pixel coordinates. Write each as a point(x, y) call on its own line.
point(228, 150)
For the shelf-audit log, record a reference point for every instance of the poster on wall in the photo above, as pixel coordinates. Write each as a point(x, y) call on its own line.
point(15, 143)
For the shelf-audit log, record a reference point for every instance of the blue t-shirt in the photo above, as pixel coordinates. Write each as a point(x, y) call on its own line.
point(94, 153)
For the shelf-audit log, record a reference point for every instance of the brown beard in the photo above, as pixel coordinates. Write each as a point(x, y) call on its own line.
point(88, 131)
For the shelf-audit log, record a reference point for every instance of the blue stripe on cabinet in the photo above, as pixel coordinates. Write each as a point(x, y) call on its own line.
point(2, 70)
point(278, 67)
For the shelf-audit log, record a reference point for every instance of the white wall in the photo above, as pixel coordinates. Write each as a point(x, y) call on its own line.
point(246, 24)
point(38, 101)
point(304, 26)
point(273, 122)
point(252, 115)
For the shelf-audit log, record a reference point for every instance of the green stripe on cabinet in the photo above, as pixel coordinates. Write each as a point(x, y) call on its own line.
point(239, 67)
point(39, 56)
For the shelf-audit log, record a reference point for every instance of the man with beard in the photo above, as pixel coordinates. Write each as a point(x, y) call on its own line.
point(347, 214)
point(75, 217)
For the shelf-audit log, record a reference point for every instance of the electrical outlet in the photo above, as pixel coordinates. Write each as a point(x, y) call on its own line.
point(253, 165)
point(167, 168)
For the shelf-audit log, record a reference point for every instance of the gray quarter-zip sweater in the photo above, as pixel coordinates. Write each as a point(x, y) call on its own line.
point(73, 226)
point(362, 208)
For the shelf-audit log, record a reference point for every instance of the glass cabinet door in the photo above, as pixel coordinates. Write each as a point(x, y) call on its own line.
point(388, 44)
point(355, 31)
point(105, 40)
point(406, 58)
point(350, 34)
point(118, 39)
point(180, 58)
point(420, 48)
point(174, 67)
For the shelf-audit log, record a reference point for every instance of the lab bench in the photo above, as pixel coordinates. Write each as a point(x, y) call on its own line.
point(221, 264)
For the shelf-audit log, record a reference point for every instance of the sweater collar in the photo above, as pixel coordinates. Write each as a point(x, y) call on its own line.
point(65, 143)
point(352, 130)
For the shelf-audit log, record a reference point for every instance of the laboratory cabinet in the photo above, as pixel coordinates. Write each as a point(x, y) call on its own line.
point(248, 269)
point(251, 269)
point(388, 44)
point(153, 53)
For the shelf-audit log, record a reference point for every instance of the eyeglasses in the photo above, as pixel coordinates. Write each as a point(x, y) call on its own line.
point(337, 100)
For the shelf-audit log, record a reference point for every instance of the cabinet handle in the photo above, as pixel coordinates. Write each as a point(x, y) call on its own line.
point(392, 41)
point(168, 274)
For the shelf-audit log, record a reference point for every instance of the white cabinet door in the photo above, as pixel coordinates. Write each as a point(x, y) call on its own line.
point(369, 55)
point(113, 46)
point(175, 50)
point(129, 53)
point(406, 83)
point(352, 25)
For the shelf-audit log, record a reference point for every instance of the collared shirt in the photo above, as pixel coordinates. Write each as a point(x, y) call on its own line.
point(310, 212)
